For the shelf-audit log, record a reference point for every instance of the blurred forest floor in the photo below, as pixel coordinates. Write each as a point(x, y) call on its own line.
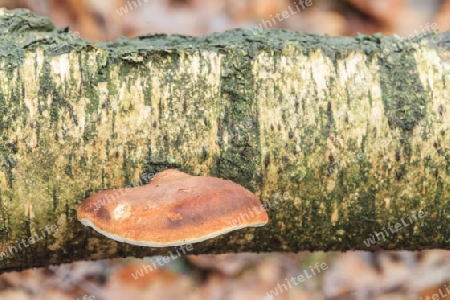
point(351, 275)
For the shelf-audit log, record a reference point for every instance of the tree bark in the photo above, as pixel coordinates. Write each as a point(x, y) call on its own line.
point(339, 137)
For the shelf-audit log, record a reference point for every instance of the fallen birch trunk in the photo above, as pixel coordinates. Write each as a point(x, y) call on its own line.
point(342, 138)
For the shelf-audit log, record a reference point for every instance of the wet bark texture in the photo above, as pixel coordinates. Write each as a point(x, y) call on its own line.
point(338, 136)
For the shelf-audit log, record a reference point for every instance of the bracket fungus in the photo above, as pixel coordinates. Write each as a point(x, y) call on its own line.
point(173, 209)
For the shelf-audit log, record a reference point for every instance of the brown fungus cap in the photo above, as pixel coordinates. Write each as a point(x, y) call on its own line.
point(173, 209)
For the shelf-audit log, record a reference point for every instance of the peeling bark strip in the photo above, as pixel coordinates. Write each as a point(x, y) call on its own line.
point(272, 112)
